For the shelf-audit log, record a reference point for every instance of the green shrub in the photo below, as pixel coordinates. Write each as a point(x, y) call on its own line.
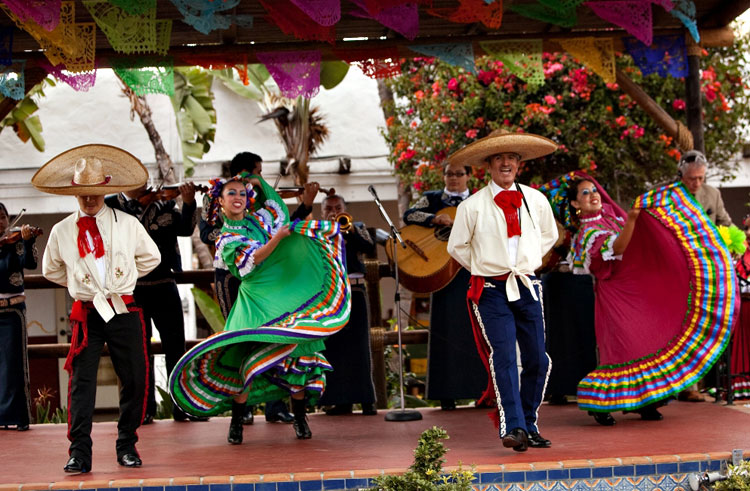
point(426, 473)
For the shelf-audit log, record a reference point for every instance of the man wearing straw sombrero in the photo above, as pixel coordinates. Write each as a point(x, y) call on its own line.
point(99, 253)
point(500, 234)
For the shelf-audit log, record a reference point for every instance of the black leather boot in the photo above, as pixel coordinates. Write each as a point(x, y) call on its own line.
point(235, 426)
point(299, 408)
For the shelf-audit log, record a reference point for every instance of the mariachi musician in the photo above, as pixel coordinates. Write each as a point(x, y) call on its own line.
point(454, 369)
point(157, 293)
point(17, 252)
point(348, 351)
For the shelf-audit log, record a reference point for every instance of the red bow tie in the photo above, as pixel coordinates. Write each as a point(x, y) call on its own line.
point(510, 202)
point(88, 224)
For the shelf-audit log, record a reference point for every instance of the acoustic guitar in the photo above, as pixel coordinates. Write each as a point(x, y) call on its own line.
point(425, 265)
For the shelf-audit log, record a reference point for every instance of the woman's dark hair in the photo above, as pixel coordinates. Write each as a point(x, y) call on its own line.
point(3, 208)
point(244, 161)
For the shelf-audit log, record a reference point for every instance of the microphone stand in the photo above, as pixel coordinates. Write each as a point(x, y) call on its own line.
point(402, 414)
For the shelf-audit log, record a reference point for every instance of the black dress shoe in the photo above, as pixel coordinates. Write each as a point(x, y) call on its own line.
point(538, 441)
point(129, 460)
point(604, 419)
point(23, 427)
point(248, 418)
point(447, 404)
point(280, 417)
point(557, 400)
point(235, 433)
point(147, 419)
point(76, 466)
point(181, 417)
point(301, 429)
point(339, 410)
point(368, 409)
point(517, 440)
point(650, 413)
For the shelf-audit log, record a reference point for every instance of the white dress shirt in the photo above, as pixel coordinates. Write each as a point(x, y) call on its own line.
point(479, 238)
point(129, 253)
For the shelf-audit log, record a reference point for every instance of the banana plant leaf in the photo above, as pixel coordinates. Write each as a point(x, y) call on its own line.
point(332, 73)
point(210, 309)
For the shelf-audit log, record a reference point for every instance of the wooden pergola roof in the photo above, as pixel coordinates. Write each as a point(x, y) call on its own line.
point(264, 35)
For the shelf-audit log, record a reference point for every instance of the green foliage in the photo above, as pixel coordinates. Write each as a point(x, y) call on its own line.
point(43, 408)
point(165, 409)
point(196, 117)
point(26, 126)
point(440, 108)
point(210, 309)
point(738, 478)
point(332, 73)
point(426, 473)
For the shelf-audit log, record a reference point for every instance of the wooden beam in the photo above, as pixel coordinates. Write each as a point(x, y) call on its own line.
point(729, 10)
point(183, 54)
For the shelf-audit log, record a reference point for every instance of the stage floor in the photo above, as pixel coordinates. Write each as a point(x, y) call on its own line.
point(368, 445)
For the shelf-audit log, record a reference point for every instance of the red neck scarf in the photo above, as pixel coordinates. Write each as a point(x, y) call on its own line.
point(510, 202)
point(88, 224)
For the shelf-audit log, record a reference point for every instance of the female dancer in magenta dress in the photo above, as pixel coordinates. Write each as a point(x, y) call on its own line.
point(294, 293)
point(664, 304)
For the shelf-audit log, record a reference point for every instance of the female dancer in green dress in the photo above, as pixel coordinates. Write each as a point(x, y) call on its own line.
point(294, 293)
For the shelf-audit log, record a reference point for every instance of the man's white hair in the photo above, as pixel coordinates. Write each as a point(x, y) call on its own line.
point(692, 158)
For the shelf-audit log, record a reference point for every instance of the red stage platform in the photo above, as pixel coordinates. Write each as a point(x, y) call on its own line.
point(358, 447)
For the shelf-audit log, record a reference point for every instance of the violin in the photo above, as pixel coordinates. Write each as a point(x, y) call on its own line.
point(14, 235)
point(165, 193)
point(294, 191)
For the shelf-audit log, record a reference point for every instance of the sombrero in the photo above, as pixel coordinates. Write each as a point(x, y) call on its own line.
point(91, 170)
point(527, 145)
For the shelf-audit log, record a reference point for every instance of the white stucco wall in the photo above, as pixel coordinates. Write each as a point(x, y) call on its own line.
point(102, 115)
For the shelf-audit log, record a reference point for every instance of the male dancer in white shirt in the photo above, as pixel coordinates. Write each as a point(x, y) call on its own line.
point(99, 253)
point(500, 235)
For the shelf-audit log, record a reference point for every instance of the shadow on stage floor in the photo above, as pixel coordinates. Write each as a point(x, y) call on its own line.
point(369, 443)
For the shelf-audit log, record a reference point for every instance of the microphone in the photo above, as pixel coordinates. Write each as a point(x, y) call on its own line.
point(372, 191)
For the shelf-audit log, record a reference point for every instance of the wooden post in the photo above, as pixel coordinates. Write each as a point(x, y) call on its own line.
point(377, 340)
point(693, 96)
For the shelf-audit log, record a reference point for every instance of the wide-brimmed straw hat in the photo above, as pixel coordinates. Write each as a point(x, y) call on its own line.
point(527, 145)
point(91, 170)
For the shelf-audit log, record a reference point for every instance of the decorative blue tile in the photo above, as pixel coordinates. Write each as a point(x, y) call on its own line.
point(536, 476)
point(174, 488)
point(623, 471)
point(154, 488)
point(355, 483)
point(264, 486)
point(197, 487)
point(286, 486)
point(130, 489)
point(334, 484)
point(558, 474)
point(600, 472)
point(715, 465)
point(582, 473)
point(311, 485)
point(689, 467)
point(220, 487)
point(490, 477)
point(514, 477)
point(645, 469)
point(245, 486)
point(670, 468)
